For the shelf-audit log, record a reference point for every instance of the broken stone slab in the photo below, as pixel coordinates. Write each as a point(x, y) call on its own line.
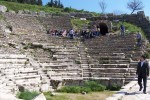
point(4, 96)
point(3, 8)
point(45, 87)
point(16, 56)
point(7, 30)
point(40, 97)
point(129, 85)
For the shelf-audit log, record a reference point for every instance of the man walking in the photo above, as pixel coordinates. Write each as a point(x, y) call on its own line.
point(143, 73)
point(122, 30)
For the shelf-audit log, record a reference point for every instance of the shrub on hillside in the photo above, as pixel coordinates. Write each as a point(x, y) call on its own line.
point(114, 87)
point(85, 89)
point(89, 86)
point(147, 55)
point(74, 89)
point(27, 95)
point(94, 86)
point(70, 89)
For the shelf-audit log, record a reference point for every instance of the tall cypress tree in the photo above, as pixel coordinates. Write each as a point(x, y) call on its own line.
point(51, 3)
point(55, 3)
point(39, 2)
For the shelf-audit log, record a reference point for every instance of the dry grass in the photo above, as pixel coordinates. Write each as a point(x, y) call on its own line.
point(90, 96)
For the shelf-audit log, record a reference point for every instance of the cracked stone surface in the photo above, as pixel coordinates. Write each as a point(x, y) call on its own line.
point(135, 94)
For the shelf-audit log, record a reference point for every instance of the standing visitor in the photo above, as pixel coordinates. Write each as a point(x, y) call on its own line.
point(139, 38)
point(71, 33)
point(122, 30)
point(143, 73)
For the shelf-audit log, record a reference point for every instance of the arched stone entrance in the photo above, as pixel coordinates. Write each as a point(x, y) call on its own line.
point(103, 28)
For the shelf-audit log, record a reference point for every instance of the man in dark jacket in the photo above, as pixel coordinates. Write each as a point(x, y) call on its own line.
point(143, 73)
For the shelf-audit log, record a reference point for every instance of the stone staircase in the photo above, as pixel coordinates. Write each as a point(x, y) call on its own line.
point(113, 57)
point(16, 71)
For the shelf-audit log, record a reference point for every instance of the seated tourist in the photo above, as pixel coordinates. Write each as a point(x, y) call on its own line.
point(64, 34)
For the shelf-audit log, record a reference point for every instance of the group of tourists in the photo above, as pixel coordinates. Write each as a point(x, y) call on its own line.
point(86, 34)
point(142, 67)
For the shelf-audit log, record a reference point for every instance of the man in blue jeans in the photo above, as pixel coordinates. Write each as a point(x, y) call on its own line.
point(122, 30)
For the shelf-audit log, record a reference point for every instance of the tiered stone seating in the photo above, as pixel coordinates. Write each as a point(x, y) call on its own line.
point(112, 57)
point(56, 22)
point(64, 65)
point(25, 27)
point(104, 58)
point(16, 71)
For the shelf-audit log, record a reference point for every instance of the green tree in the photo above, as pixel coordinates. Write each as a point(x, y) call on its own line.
point(55, 3)
point(61, 5)
point(39, 2)
point(51, 3)
point(33, 2)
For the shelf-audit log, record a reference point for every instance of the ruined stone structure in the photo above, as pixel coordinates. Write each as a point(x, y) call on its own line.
point(32, 59)
point(138, 19)
point(104, 26)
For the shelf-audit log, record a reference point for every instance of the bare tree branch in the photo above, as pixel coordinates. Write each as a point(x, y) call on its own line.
point(135, 5)
point(103, 6)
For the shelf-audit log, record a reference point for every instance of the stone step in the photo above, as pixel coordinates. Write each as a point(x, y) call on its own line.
point(109, 65)
point(12, 56)
point(114, 70)
point(27, 77)
point(21, 61)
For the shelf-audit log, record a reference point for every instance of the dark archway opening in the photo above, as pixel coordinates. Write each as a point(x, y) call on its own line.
point(103, 28)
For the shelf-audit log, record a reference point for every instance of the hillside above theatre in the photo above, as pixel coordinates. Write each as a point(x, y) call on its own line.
point(13, 6)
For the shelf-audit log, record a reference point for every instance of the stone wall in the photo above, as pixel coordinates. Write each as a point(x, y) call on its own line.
point(98, 22)
point(138, 19)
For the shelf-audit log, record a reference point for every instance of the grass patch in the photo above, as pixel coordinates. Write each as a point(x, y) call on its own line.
point(77, 96)
point(27, 95)
point(18, 6)
point(79, 24)
point(114, 87)
point(104, 60)
point(130, 28)
point(89, 86)
point(2, 17)
point(77, 62)
point(147, 55)
point(36, 8)
point(94, 86)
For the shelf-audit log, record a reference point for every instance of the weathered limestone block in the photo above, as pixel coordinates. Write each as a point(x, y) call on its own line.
point(45, 87)
point(40, 97)
point(4, 96)
point(3, 8)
